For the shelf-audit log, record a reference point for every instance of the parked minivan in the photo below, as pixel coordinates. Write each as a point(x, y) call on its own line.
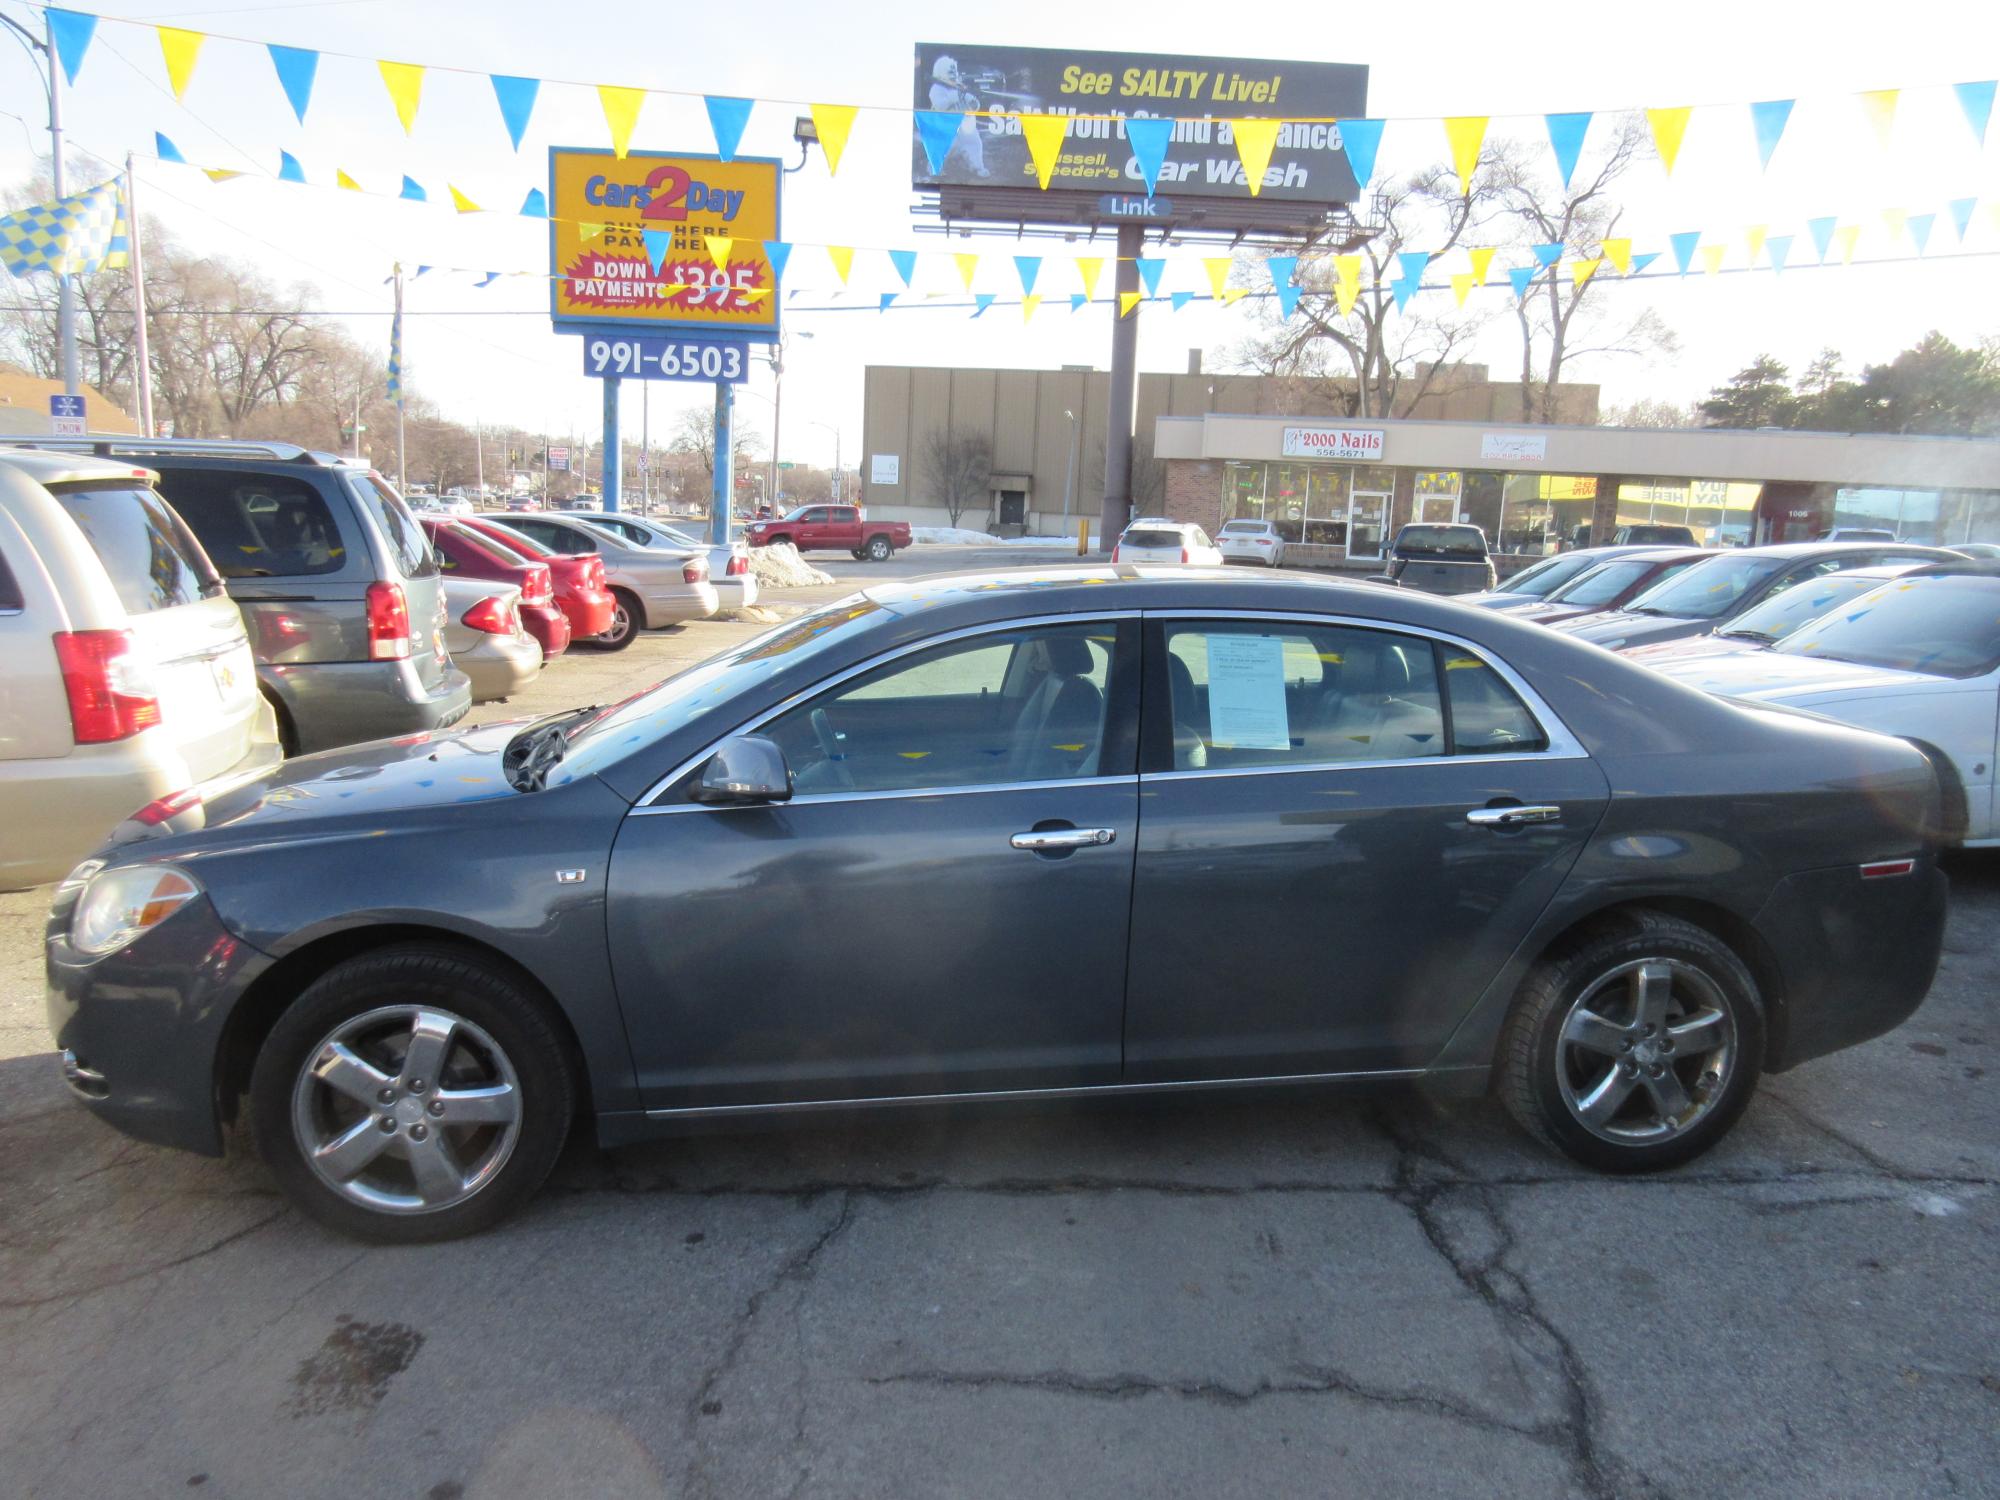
point(335, 578)
point(128, 673)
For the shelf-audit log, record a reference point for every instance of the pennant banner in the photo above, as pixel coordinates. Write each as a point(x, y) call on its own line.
point(1027, 267)
point(1362, 140)
point(779, 254)
point(1920, 230)
point(405, 82)
point(1089, 267)
point(460, 202)
point(1181, 300)
point(1028, 306)
point(719, 246)
point(832, 122)
point(968, 267)
point(166, 150)
point(1150, 268)
point(535, 205)
point(297, 67)
point(1466, 134)
point(842, 259)
point(1566, 133)
point(936, 130)
point(71, 31)
point(1127, 301)
point(621, 114)
point(1822, 234)
point(1961, 212)
point(727, 117)
point(1880, 107)
point(905, 263)
point(1218, 268)
point(1780, 246)
point(1402, 291)
point(1549, 254)
point(1619, 253)
point(981, 301)
point(180, 49)
point(1580, 271)
point(1684, 244)
point(1520, 276)
point(1482, 263)
point(1413, 264)
point(1254, 142)
point(342, 180)
point(516, 97)
point(1149, 139)
point(289, 169)
point(413, 190)
point(1668, 126)
point(1044, 134)
point(1711, 258)
point(1282, 269)
point(1462, 285)
point(1976, 99)
point(1768, 121)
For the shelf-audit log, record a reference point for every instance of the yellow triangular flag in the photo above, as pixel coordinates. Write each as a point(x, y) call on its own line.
point(1088, 267)
point(1755, 235)
point(1217, 267)
point(1254, 141)
point(180, 49)
point(1462, 285)
point(1895, 220)
point(1619, 253)
point(1028, 306)
point(1880, 107)
point(833, 122)
point(718, 248)
point(1843, 241)
point(1581, 271)
point(1467, 133)
point(587, 232)
point(341, 179)
point(842, 257)
point(1669, 125)
point(1044, 134)
point(219, 174)
point(1232, 294)
point(1711, 258)
point(405, 82)
point(621, 113)
point(752, 293)
point(1348, 268)
point(1127, 301)
point(1482, 263)
point(460, 202)
point(968, 266)
point(1345, 293)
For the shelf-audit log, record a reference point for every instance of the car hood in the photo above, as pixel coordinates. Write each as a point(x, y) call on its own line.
point(1782, 677)
point(1660, 653)
point(1617, 629)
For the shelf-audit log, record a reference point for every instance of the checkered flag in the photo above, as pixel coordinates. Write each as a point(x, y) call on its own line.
point(72, 236)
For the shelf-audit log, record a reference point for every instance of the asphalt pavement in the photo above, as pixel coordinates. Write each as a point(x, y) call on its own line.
point(1385, 1296)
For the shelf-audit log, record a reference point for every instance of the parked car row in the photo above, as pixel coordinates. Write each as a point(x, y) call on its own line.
point(183, 611)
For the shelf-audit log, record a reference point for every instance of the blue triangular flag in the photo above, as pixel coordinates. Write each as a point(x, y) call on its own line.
point(487, 280)
point(1282, 268)
point(1149, 272)
point(1768, 120)
point(414, 190)
point(1684, 244)
point(1361, 139)
point(981, 301)
point(421, 270)
point(1403, 290)
point(1640, 262)
point(1822, 233)
point(289, 169)
point(517, 103)
point(1920, 230)
point(887, 298)
point(1961, 210)
point(905, 262)
point(777, 252)
point(1549, 254)
point(727, 117)
point(1779, 248)
point(535, 205)
point(1182, 299)
point(1976, 99)
point(658, 243)
point(1566, 133)
point(1076, 300)
point(1414, 264)
point(1030, 266)
point(166, 150)
point(1148, 139)
point(297, 67)
point(71, 31)
point(1520, 276)
point(936, 130)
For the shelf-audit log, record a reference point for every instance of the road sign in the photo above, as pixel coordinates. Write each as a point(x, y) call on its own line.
point(635, 243)
point(66, 416)
point(559, 458)
point(649, 357)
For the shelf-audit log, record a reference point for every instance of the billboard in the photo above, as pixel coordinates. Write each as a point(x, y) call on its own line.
point(602, 210)
point(1201, 93)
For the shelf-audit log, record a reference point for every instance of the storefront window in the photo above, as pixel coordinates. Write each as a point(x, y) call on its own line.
point(1326, 506)
point(1436, 496)
point(1912, 514)
point(1243, 492)
point(1480, 504)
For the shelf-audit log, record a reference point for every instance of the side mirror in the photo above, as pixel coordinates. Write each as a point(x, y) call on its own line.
point(746, 769)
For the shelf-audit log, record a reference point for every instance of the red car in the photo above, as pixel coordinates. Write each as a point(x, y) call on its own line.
point(579, 581)
point(463, 553)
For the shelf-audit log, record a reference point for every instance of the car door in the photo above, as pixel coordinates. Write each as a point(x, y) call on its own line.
point(941, 908)
point(1345, 831)
point(809, 530)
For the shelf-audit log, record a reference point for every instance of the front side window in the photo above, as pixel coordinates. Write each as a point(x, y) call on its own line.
point(147, 552)
point(1011, 706)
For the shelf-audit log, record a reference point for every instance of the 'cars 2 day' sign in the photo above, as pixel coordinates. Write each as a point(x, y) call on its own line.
point(1347, 444)
point(629, 243)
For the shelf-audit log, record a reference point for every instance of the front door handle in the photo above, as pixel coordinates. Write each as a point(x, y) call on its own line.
point(1043, 840)
point(1512, 817)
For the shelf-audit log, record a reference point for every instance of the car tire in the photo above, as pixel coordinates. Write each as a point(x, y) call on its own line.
point(1579, 1072)
point(628, 618)
point(880, 549)
point(500, 1053)
point(859, 555)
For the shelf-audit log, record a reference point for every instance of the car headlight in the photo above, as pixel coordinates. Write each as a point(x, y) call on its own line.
point(119, 905)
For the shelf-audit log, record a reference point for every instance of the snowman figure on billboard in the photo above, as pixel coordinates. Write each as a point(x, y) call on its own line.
point(950, 96)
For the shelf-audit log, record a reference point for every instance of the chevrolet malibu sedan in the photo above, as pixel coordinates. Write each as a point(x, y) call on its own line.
point(972, 838)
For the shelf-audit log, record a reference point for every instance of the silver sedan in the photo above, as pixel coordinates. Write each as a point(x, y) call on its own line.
point(728, 562)
point(652, 586)
point(483, 633)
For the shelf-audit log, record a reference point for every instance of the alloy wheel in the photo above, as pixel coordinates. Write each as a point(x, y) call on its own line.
point(1646, 1051)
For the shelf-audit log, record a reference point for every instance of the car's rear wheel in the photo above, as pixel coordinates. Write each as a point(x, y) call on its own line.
point(628, 616)
point(879, 548)
point(1635, 1049)
point(412, 1094)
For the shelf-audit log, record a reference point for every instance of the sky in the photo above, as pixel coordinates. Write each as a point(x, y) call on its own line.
point(490, 355)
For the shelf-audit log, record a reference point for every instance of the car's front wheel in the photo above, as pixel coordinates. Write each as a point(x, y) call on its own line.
point(1635, 1049)
point(412, 1094)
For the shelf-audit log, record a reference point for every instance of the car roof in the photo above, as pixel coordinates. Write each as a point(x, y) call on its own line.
point(1159, 521)
point(1790, 551)
point(47, 468)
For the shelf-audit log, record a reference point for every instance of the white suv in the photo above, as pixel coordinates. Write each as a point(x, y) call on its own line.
point(1154, 540)
point(128, 676)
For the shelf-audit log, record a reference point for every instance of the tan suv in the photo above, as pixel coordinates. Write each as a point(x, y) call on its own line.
point(125, 673)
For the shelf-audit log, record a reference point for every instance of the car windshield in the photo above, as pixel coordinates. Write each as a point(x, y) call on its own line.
point(1603, 583)
point(1943, 626)
point(1551, 573)
point(1708, 590)
point(1782, 613)
point(1441, 541)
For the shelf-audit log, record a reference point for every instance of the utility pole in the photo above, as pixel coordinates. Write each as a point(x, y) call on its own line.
point(777, 426)
point(143, 376)
point(402, 457)
point(1069, 478)
point(52, 88)
point(1124, 378)
point(479, 457)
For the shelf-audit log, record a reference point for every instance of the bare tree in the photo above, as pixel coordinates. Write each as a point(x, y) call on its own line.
point(694, 440)
point(957, 463)
point(1650, 414)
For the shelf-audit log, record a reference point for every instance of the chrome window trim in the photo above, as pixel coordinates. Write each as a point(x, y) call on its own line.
point(1321, 767)
point(752, 725)
point(814, 799)
point(1562, 745)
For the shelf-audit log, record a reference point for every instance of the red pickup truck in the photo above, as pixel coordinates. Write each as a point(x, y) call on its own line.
point(832, 528)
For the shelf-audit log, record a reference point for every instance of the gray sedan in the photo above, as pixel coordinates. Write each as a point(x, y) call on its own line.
point(652, 586)
point(934, 843)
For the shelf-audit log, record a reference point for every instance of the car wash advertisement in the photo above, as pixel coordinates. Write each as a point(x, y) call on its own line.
point(651, 242)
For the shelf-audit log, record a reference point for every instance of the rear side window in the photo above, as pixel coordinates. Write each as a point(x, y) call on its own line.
point(258, 525)
point(1487, 715)
point(10, 591)
point(149, 555)
point(407, 546)
point(558, 538)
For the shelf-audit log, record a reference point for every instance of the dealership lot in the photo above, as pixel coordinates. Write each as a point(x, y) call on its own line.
point(1281, 1294)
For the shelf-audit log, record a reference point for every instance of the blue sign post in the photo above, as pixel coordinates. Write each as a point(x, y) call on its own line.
point(613, 461)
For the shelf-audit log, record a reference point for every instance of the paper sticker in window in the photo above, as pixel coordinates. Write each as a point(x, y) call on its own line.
point(1246, 693)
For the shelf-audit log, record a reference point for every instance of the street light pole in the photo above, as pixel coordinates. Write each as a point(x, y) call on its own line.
point(52, 88)
point(1069, 479)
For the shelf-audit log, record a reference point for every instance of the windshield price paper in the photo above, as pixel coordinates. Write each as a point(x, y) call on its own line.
point(660, 243)
point(1246, 693)
point(665, 359)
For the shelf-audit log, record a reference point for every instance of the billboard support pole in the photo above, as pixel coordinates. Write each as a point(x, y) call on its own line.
point(614, 461)
point(719, 499)
point(1124, 376)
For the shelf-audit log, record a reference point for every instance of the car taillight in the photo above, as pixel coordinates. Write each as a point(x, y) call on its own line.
point(1114, 551)
point(1184, 554)
point(539, 585)
point(388, 623)
point(695, 570)
point(160, 809)
point(110, 696)
point(494, 616)
point(593, 570)
point(738, 566)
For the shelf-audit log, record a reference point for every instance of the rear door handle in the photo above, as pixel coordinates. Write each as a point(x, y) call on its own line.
point(1044, 840)
point(1512, 817)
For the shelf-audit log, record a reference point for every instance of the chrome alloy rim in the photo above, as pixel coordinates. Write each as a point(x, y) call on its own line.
point(620, 626)
point(406, 1109)
point(1646, 1051)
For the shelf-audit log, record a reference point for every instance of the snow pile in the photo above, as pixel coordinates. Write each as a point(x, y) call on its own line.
point(960, 536)
point(781, 567)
